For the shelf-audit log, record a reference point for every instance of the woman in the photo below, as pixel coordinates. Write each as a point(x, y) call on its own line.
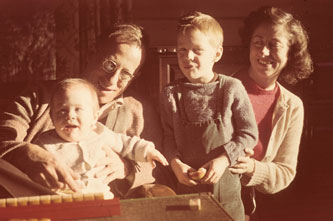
point(278, 49)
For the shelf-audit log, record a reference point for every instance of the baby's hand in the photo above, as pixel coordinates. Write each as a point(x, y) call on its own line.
point(156, 155)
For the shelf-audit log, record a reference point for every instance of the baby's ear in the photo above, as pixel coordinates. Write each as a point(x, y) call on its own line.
point(96, 115)
point(219, 53)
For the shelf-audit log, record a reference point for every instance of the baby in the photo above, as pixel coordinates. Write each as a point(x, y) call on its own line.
point(79, 140)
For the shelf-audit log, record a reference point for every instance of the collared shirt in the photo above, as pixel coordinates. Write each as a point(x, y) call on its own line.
point(106, 108)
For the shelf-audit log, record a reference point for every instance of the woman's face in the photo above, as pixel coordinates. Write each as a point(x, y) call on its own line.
point(269, 48)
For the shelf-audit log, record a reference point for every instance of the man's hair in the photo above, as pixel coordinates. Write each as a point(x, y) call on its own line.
point(299, 65)
point(65, 84)
point(205, 23)
point(123, 33)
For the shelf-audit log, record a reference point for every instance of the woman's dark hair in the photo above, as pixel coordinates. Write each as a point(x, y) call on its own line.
point(299, 65)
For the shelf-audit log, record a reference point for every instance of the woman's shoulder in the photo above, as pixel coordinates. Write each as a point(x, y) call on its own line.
point(289, 97)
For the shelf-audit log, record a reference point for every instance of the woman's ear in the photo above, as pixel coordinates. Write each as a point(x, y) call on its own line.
point(219, 53)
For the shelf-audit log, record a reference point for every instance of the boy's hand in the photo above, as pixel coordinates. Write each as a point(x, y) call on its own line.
point(156, 155)
point(181, 171)
point(198, 174)
point(215, 169)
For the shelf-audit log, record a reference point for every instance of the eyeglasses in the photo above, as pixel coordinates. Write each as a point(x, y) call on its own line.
point(109, 66)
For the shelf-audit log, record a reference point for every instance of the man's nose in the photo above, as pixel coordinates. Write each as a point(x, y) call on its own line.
point(114, 77)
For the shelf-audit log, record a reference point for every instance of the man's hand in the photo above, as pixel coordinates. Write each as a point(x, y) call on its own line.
point(43, 168)
point(115, 166)
point(181, 171)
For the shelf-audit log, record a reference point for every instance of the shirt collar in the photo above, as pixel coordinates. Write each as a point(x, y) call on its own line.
point(106, 108)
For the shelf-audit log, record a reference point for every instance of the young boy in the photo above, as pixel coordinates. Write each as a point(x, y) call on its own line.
point(81, 142)
point(207, 117)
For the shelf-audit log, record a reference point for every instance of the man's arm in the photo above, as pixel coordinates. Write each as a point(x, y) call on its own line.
point(136, 117)
point(20, 123)
point(145, 123)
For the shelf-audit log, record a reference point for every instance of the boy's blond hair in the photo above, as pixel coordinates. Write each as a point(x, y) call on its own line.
point(204, 23)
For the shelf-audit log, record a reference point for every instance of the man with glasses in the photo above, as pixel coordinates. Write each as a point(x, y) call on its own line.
point(120, 56)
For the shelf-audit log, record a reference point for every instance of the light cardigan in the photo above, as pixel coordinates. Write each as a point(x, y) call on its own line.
point(28, 116)
point(278, 167)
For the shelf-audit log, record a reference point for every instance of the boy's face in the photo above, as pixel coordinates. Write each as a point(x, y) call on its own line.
point(73, 113)
point(112, 81)
point(197, 56)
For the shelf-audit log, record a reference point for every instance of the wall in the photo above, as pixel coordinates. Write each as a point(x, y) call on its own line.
point(159, 16)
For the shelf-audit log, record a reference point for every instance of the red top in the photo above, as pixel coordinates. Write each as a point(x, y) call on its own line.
point(263, 103)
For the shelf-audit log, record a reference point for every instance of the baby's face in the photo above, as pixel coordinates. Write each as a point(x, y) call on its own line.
point(73, 113)
point(197, 55)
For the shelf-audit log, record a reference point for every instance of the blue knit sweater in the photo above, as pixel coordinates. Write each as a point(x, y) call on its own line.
point(200, 101)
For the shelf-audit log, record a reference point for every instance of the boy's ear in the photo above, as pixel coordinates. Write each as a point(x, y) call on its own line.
point(219, 53)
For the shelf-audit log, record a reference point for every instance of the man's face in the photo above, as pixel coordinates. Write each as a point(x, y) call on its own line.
point(113, 74)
